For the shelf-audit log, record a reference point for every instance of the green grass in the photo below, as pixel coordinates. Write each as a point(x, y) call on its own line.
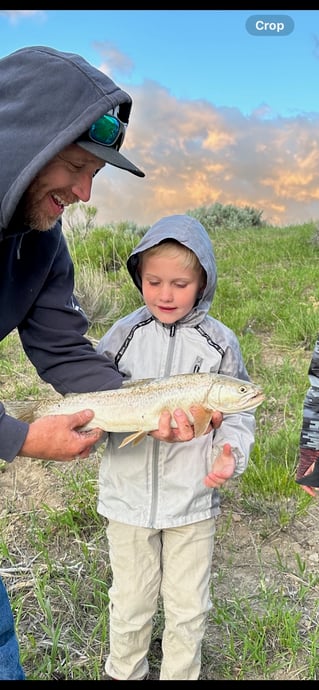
point(264, 624)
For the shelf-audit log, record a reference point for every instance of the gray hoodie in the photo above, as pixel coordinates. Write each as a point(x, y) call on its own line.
point(48, 99)
point(158, 484)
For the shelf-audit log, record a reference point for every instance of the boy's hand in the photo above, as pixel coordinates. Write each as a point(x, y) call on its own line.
point(184, 430)
point(223, 468)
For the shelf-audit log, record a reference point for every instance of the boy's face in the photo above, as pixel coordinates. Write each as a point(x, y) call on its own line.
point(65, 180)
point(169, 289)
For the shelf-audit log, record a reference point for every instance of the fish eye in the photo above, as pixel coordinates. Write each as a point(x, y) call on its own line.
point(243, 389)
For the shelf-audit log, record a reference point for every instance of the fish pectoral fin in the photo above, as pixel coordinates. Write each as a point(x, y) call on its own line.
point(134, 439)
point(202, 418)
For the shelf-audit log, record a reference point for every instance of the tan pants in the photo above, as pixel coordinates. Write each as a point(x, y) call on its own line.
point(174, 563)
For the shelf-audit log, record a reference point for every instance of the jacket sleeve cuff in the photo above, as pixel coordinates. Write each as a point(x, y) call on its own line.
point(12, 436)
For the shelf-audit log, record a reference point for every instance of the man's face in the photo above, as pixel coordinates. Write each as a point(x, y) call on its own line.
point(65, 180)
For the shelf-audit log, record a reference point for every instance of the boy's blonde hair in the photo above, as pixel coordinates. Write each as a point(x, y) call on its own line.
point(172, 248)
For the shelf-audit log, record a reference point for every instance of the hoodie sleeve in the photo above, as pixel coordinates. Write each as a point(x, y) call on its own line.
point(12, 435)
point(237, 429)
point(53, 335)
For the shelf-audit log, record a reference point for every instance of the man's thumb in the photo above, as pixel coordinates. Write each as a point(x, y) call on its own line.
point(83, 417)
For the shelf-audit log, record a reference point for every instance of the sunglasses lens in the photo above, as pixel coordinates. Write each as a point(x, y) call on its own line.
point(105, 130)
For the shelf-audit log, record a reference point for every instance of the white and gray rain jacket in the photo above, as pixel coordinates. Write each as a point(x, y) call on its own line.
point(159, 484)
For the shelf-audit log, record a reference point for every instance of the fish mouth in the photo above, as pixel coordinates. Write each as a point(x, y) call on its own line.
point(254, 401)
point(258, 398)
point(244, 405)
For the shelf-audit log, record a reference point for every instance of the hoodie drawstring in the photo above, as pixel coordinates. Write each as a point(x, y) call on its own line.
point(18, 248)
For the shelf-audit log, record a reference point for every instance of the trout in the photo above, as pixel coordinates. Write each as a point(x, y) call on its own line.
point(137, 405)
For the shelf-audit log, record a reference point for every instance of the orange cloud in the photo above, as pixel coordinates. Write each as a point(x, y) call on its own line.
point(195, 154)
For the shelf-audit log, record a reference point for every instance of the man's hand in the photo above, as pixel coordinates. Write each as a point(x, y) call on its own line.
point(184, 430)
point(223, 468)
point(307, 461)
point(58, 437)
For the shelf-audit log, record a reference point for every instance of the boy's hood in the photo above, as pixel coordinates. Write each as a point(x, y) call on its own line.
point(48, 99)
point(189, 232)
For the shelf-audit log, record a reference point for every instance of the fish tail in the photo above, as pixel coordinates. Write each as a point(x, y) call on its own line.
point(24, 410)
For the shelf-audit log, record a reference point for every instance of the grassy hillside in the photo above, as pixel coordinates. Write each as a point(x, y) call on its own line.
point(264, 621)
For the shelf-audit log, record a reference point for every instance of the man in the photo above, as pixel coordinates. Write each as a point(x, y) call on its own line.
point(61, 120)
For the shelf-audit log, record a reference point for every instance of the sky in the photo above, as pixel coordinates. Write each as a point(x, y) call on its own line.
point(225, 105)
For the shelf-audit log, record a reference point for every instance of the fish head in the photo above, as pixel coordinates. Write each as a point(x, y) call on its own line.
point(230, 395)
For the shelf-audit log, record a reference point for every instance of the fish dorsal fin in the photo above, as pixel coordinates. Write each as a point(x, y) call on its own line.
point(202, 418)
point(136, 382)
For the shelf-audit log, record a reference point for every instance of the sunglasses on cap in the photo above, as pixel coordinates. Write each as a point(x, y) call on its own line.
point(108, 131)
point(104, 139)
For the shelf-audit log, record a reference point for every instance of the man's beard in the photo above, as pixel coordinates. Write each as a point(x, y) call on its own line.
point(28, 215)
point(36, 220)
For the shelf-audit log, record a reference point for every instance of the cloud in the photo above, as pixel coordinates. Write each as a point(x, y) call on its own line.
point(195, 154)
point(14, 16)
point(114, 61)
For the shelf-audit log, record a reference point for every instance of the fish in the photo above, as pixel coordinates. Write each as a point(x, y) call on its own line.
point(136, 406)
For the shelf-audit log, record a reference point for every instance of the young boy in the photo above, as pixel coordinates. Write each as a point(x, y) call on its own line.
point(161, 499)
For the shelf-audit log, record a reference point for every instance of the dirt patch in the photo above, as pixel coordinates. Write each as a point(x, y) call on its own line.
point(27, 484)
